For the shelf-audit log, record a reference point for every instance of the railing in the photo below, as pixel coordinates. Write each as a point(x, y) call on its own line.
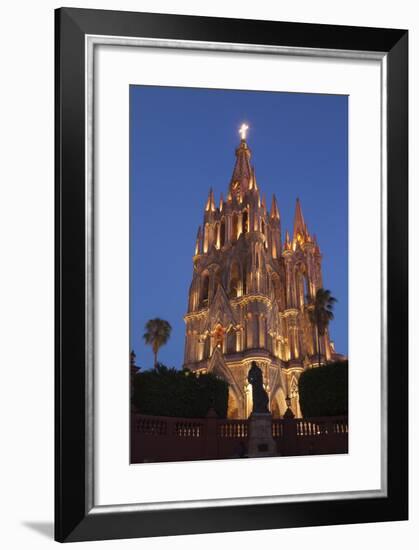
point(277, 428)
point(149, 425)
point(159, 438)
point(188, 429)
point(321, 426)
point(164, 425)
point(232, 428)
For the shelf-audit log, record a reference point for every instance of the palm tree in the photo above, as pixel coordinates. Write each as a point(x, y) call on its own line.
point(320, 313)
point(156, 335)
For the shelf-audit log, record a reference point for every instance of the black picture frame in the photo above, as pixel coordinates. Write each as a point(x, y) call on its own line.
point(74, 520)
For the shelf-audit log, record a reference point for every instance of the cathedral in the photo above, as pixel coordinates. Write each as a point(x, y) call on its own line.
point(250, 293)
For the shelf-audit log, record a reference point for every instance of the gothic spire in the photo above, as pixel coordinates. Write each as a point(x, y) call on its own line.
point(300, 227)
point(254, 181)
point(221, 202)
point(242, 173)
point(274, 209)
point(210, 206)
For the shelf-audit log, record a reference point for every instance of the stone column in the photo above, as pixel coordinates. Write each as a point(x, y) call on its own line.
point(289, 281)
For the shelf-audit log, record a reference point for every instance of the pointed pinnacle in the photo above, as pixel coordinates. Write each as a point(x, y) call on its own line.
point(242, 172)
point(264, 201)
point(210, 202)
point(287, 241)
point(255, 183)
point(274, 209)
point(300, 227)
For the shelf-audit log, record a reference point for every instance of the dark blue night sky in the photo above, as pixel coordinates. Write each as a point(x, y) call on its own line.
point(182, 143)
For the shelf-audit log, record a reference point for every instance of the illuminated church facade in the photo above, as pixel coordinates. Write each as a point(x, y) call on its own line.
point(248, 299)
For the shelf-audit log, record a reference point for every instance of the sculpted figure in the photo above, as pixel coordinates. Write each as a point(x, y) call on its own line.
point(260, 397)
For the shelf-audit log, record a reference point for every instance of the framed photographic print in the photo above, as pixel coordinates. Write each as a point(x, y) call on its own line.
point(231, 274)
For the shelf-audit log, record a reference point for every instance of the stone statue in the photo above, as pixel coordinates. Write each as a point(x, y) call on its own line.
point(260, 397)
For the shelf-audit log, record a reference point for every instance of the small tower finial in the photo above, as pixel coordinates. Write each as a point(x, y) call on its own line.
point(210, 205)
point(243, 131)
point(300, 228)
point(274, 209)
point(221, 203)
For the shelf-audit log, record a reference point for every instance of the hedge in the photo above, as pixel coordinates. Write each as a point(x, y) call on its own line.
point(171, 392)
point(324, 390)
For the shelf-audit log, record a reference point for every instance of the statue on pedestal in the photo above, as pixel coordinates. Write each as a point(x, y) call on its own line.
point(260, 397)
point(260, 442)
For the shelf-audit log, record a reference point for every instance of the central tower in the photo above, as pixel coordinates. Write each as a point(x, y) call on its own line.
point(249, 293)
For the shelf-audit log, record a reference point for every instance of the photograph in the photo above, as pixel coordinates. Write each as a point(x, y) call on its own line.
point(209, 260)
point(238, 274)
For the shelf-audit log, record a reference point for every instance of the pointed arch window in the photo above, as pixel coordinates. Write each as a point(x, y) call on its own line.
point(222, 233)
point(245, 221)
point(206, 237)
point(235, 280)
point(207, 349)
point(302, 289)
point(204, 290)
point(274, 255)
point(231, 341)
point(235, 227)
point(217, 235)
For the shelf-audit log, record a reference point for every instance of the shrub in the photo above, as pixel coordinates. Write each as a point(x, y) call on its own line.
point(324, 390)
point(170, 392)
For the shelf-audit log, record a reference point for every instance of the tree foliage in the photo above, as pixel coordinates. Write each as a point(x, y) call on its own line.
point(320, 313)
point(157, 333)
point(324, 390)
point(170, 392)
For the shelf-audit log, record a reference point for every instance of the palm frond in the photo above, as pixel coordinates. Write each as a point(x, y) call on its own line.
point(322, 311)
point(157, 333)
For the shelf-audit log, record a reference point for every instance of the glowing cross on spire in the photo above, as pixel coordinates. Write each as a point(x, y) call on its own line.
point(243, 131)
